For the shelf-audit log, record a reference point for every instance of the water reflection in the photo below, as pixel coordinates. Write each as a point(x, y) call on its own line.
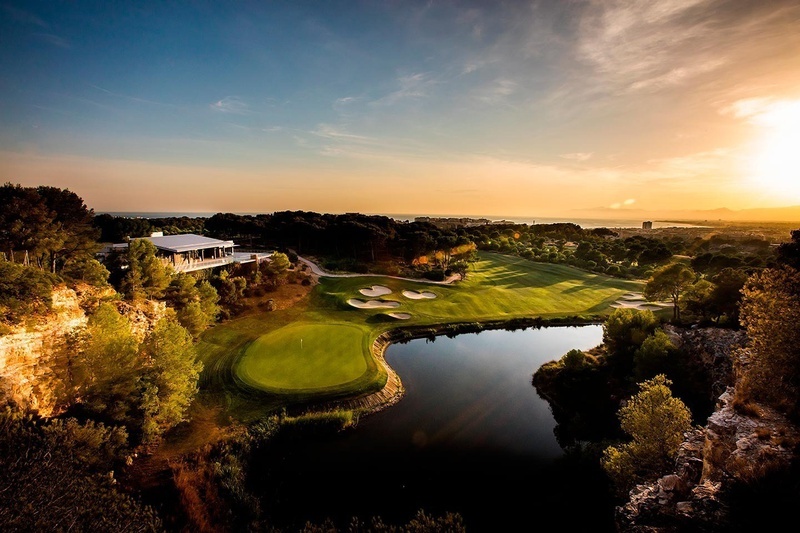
point(471, 436)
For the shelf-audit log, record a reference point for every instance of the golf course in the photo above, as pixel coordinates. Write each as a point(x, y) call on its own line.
point(323, 347)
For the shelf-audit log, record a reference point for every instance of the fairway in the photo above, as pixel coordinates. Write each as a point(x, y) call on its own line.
point(260, 356)
point(304, 356)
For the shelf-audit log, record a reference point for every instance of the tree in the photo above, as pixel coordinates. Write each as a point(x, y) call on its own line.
point(108, 367)
point(573, 359)
point(461, 268)
point(51, 225)
point(231, 290)
point(789, 252)
point(208, 300)
point(72, 220)
point(670, 282)
point(23, 290)
point(194, 302)
point(171, 377)
point(626, 329)
point(727, 294)
point(656, 422)
point(87, 270)
point(57, 475)
point(770, 311)
point(696, 299)
point(147, 276)
point(277, 267)
point(651, 357)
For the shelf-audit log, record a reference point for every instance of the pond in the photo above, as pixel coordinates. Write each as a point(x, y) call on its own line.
point(471, 436)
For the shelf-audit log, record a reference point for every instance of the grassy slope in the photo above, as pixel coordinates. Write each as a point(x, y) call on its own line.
point(497, 287)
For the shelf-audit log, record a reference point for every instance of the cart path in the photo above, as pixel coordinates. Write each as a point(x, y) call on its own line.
point(319, 272)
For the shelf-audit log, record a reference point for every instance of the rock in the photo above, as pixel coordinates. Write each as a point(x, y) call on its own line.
point(733, 448)
point(33, 356)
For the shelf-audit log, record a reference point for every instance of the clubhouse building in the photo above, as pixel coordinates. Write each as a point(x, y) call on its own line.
point(189, 252)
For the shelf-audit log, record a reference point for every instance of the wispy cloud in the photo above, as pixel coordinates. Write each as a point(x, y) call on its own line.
point(642, 45)
point(497, 91)
point(26, 17)
point(707, 165)
point(577, 156)
point(131, 98)
point(412, 86)
point(620, 205)
point(53, 39)
point(231, 104)
point(777, 114)
point(329, 131)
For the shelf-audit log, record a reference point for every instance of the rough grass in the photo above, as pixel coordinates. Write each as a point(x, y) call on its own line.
point(256, 362)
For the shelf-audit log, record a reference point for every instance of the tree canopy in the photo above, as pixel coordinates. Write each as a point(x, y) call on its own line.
point(770, 312)
point(670, 282)
point(656, 422)
point(50, 224)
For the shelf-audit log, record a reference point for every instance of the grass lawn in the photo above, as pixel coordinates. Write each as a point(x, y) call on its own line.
point(258, 359)
point(304, 356)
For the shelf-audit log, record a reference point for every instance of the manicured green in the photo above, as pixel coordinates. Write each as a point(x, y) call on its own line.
point(304, 356)
point(257, 363)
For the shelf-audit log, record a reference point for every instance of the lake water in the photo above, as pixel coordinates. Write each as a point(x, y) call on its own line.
point(470, 436)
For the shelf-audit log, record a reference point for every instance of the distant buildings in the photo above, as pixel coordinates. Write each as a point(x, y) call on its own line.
point(647, 224)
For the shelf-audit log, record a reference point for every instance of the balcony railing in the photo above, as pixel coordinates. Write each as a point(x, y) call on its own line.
point(191, 265)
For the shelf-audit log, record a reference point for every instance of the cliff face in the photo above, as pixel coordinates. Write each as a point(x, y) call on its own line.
point(33, 356)
point(734, 449)
point(29, 355)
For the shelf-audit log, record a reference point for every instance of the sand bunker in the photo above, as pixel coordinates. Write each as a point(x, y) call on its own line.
point(375, 291)
point(373, 304)
point(636, 300)
point(633, 298)
point(416, 295)
point(637, 305)
point(399, 316)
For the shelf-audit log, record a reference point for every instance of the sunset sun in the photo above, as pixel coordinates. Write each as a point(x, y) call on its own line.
point(775, 163)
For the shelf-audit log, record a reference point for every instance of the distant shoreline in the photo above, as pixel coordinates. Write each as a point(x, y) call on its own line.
point(587, 223)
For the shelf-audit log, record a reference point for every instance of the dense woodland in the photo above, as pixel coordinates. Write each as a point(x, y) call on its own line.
point(120, 394)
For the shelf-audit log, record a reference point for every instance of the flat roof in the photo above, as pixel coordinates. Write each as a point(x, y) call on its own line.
point(187, 242)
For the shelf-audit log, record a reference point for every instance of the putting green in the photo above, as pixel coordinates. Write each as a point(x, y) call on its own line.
point(304, 356)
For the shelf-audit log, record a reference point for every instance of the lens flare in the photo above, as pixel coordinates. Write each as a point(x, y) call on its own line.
point(775, 163)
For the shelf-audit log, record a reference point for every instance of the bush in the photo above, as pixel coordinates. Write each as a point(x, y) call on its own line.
point(573, 359)
point(434, 275)
point(24, 290)
point(656, 422)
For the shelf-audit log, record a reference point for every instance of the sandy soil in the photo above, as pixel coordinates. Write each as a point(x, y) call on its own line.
point(376, 291)
point(414, 295)
point(634, 300)
point(373, 304)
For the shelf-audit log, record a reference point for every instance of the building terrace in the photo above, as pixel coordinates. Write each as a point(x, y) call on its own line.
point(189, 252)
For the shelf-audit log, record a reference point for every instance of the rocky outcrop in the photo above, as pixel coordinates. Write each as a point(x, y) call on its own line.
point(30, 353)
point(33, 355)
point(733, 449)
point(713, 348)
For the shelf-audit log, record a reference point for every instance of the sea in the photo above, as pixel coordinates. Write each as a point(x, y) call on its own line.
point(587, 223)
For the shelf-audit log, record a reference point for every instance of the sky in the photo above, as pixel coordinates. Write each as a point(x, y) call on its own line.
point(516, 108)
